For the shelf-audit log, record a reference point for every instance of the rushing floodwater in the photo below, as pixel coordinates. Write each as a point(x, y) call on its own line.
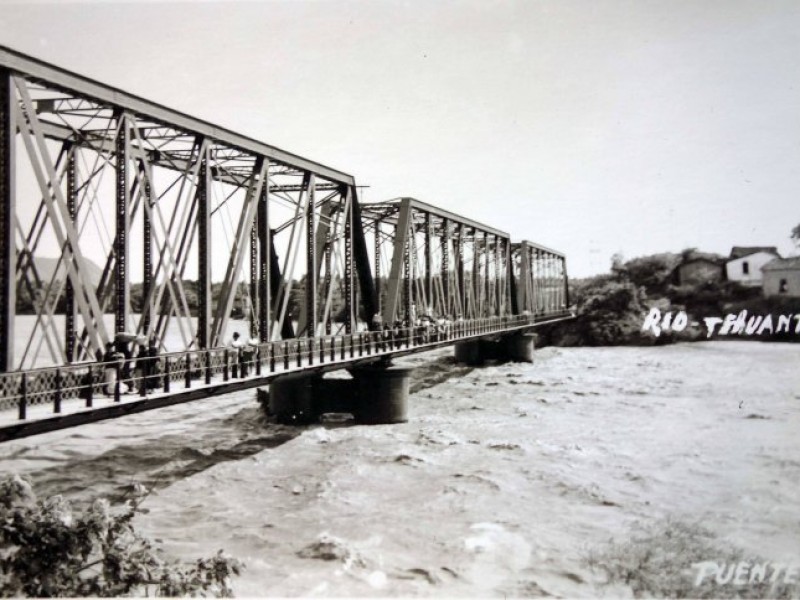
point(501, 481)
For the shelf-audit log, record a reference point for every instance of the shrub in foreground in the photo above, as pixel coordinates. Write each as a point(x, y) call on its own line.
point(47, 550)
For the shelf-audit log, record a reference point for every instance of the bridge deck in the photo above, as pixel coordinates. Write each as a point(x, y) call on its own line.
point(60, 397)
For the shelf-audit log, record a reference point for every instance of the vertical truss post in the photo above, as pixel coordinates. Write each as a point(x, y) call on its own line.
point(446, 265)
point(542, 283)
point(69, 294)
point(121, 283)
point(497, 278)
point(476, 272)
point(486, 288)
point(509, 297)
point(264, 312)
point(350, 207)
point(8, 260)
point(407, 287)
point(378, 262)
point(566, 282)
point(366, 285)
point(428, 262)
point(204, 252)
point(147, 254)
point(556, 281)
point(547, 282)
point(264, 288)
point(523, 285)
point(328, 275)
point(462, 300)
point(311, 258)
point(532, 259)
point(254, 311)
point(559, 287)
point(322, 256)
point(551, 265)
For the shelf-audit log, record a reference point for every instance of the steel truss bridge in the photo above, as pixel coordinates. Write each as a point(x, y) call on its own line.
point(119, 216)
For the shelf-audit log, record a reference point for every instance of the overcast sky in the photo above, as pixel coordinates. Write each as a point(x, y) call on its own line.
point(593, 127)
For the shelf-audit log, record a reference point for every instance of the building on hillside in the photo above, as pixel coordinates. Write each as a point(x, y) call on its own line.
point(782, 277)
point(745, 262)
point(699, 270)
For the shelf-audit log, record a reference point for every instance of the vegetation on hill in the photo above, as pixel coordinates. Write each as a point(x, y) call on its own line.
point(612, 307)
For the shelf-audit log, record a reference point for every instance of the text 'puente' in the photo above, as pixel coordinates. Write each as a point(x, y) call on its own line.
point(149, 258)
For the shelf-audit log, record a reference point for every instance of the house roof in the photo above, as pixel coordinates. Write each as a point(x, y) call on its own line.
point(741, 251)
point(783, 264)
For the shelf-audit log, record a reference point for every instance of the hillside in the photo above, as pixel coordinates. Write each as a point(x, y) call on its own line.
point(612, 307)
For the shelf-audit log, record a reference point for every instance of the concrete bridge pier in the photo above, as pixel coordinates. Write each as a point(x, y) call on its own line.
point(294, 398)
point(375, 395)
point(516, 347)
point(471, 352)
point(381, 394)
point(519, 347)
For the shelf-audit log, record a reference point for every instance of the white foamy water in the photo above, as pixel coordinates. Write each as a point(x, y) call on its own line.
point(501, 481)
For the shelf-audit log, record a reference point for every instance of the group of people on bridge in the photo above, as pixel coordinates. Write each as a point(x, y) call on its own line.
point(121, 368)
point(125, 373)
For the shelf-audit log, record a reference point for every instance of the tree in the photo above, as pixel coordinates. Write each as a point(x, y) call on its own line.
point(795, 235)
point(47, 550)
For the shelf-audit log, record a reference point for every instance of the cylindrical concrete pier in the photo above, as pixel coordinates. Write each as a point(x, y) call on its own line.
point(520, 347)
point(469, 352)
point(292, 399)
point(382, 395)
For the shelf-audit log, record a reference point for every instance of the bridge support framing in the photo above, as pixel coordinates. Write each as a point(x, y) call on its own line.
point(8, 259)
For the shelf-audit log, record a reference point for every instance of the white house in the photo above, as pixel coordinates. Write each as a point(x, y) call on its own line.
point(744, 264)
point(782, 277)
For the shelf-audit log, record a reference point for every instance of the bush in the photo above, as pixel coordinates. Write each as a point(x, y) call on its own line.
point(610, 312)
point(47, 550)
point(660, 560)
point(651, 272)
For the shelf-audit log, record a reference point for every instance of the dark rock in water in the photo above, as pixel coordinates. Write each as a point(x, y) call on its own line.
point(756, 416)
point(328, 547)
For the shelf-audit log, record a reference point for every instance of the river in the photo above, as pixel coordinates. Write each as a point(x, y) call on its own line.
point(505, 478)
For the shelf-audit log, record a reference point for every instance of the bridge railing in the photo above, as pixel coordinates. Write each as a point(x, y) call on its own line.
point(84, 386)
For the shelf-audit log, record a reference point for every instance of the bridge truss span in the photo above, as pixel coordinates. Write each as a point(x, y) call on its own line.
point(136, 204)
point(126, 222)
point(539, 278)
point(430, 263)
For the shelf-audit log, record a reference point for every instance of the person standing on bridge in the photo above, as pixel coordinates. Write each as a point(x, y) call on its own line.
point(236, 344)
point(114, 362)
point(248, 355)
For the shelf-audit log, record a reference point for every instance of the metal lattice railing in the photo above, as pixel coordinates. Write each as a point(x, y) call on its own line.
point(172, 372)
